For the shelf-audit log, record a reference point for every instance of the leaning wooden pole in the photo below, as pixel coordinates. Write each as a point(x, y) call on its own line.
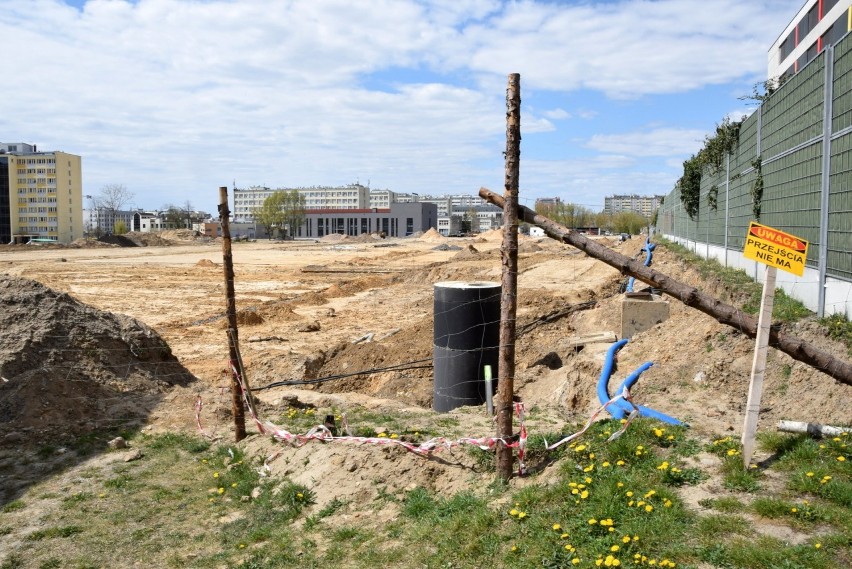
point(508, 298)
point(796, 348)
point(231, 311)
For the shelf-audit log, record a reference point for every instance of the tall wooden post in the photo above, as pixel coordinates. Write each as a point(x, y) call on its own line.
point(508, 299)
point(231, 311)
point(758, 364)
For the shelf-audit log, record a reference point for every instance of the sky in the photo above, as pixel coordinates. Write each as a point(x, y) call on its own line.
point(175, 98)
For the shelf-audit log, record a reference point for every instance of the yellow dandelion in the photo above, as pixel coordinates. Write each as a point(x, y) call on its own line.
point(513, 512)
point(620, 463)
point(817, 545)
point(234, 485)
point(650, 493)
point(592, 521)
point(667, 503)
point(588, 480)
point(221, 490)
point(394, 436)
point(215, 475)
point(629, 494)
point(580, 448)
point(575, 561)
point(557, 527)
point(584, 495)
point(591, 455)
point(649, 508)
point(620, 484)
point(606, 464)
point(809, 474)
point(564, 536)
point(841, 458)
point(514, 548)
point(522, 515)
point(242, 545)
point(614, 548)
point(625, 539)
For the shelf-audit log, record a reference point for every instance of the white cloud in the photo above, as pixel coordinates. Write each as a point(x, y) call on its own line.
point(173, 97)
point(663, 142)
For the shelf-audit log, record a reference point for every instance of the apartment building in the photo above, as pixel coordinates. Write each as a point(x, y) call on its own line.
point(643, 205)
point(41, 195)
point(818, 23)
point(352, 196)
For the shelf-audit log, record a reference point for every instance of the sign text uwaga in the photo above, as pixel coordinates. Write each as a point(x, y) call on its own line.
point(776, 248)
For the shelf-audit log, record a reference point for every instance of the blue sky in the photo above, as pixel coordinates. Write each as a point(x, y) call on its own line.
point(174, 98)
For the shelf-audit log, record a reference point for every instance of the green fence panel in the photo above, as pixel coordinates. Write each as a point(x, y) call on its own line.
point(794, 113)
point(791, 199)
point(839, 254)
point(842, 103)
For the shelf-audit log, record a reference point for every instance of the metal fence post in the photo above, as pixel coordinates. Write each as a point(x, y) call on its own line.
point(825, 178)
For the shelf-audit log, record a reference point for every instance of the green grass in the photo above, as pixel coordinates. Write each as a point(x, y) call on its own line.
point(740, 289)
point(183, 505)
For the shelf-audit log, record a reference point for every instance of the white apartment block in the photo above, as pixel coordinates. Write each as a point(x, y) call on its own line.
point(352, 196)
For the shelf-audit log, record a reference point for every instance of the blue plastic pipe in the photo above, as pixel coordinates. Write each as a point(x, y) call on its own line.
point(606, 372)
point(649, 250)
point(621, 408)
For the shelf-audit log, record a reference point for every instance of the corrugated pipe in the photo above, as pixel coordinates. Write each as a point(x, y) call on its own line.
point(649, 250)
point(621, 408)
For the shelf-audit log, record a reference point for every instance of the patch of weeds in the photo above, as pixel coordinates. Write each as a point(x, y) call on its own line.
point(727, 504)
point(764, 552)
point(715, 525)
point(313, 521)
point(5, 530)
point(838, 327)
point(74, 500)
point(674, 476)
point(786, 371)
point(121, 482)
point(46, 451)
point(13, 506)
point(14, 561)
point(192, 445)
point(52, 563)
point(738, 478)
point(51, 533)
point(87, 444)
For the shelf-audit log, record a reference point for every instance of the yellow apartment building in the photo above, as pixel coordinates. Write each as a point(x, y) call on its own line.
point(41, 195)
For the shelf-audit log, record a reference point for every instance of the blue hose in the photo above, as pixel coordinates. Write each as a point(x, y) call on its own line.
point(621, 408)
point(606, 372)
point(649, 251)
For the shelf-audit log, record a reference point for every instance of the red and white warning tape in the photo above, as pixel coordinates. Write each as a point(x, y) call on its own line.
point(322, 433)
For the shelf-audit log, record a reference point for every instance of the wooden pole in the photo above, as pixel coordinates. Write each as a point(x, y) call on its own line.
point(794, 347)
point(231, 311)
point(758, 365)
point(508, 298)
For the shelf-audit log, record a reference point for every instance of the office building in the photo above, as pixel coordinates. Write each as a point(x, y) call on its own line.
point(818, 23)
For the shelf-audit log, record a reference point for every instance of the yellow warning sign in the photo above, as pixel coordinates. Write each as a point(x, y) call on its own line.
point(776, 248)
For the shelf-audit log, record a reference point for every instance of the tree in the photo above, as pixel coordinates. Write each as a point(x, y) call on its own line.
point(629, 222)
point(270, 214)
point(293, 208)
point(112, 198)
point(173, 216)
point(120, 228)
point(188, 212)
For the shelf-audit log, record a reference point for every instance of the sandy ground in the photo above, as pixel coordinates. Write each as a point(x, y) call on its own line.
point(301, 305)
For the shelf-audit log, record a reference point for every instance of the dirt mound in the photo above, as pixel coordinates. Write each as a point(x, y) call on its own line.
point(68, 368)
point(179, 234)
point(334, 238)
point(206, 263)
point(432, 236)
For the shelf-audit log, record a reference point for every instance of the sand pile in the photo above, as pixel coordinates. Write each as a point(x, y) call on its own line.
point(432, 236)
point(68, 368)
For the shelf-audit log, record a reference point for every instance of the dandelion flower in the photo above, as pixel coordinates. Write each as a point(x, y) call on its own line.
point(522, 515)
point(513, 512)
point(575, 561)
point(557, 527)
point(817, 545)
point(841, 458)
point(215, 475)
point(592, 521)
point(614, 548)
point(809, 474)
